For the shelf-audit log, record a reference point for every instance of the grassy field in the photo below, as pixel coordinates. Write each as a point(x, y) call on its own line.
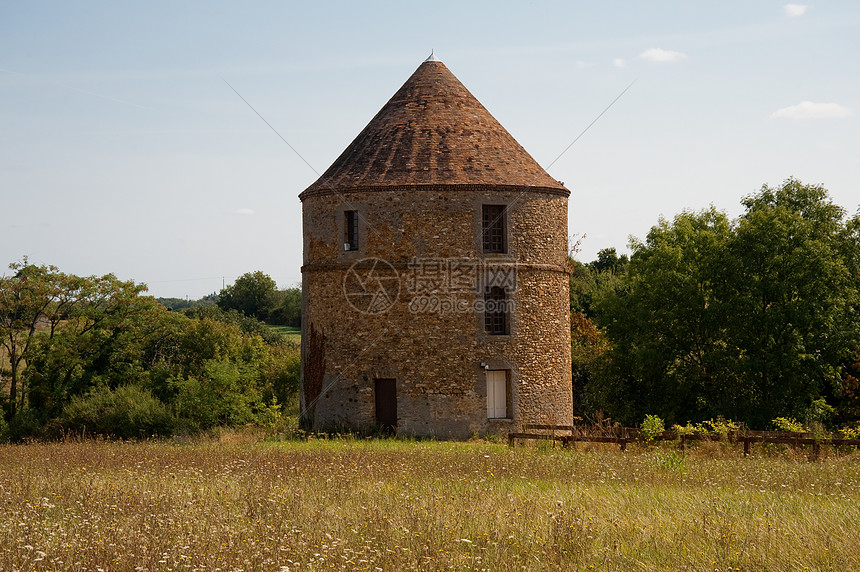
point(291, 332)
point(236, 504)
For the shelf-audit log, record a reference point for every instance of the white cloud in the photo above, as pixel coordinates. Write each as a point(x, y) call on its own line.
point(810, 110)
point(581, 65)
point(245, 212)
point(659, 55)
point(619, 62)
point(795, 10)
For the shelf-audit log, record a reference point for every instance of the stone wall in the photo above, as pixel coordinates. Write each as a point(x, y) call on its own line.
point(407, 305)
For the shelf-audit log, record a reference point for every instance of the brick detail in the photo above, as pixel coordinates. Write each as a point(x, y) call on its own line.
point(323, 190)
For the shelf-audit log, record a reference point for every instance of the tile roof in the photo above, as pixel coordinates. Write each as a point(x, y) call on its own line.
point(433, 132)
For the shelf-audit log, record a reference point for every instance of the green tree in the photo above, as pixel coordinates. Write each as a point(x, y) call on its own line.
point(794, 290)
point(752, 319)
point(609, 261)
point(247, 324)
point(667, 331)
point(109, 338)
point(254, 294)
point(95, 353)
point(587, 347)
point(176, 304)
point(589, 280)
point(33, 299)
point(289, 309)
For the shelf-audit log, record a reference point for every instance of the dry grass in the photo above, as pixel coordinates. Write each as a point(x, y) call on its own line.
point(229, 504)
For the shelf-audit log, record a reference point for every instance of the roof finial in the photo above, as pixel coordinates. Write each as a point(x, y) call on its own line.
point(432, 57)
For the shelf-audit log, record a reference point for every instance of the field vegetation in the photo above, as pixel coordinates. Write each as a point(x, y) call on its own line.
point(232, 503)
point(292, 333)
point(95, 355)
point(752, 318)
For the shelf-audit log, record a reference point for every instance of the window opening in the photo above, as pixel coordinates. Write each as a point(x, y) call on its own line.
point(350, 230)
point(495, 311)
point(493, 228)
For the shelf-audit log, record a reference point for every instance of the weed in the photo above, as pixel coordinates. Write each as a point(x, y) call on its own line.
point(233, 502)
point(670, 460)
point(652, 427)
point(789, 424)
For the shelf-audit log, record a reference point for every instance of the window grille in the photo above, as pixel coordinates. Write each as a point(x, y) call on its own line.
point(493, 228)
point(495, 311)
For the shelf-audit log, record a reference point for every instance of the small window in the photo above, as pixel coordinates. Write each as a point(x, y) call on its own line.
point(497, 394)
point(350, 227)
point(493, 228)
point(495, 311)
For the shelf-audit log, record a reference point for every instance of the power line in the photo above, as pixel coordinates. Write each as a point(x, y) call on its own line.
point(589, 125)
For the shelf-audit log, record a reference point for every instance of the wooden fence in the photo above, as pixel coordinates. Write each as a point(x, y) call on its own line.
point(569, 435)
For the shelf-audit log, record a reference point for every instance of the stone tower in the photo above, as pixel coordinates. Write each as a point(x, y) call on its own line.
point(434, 275)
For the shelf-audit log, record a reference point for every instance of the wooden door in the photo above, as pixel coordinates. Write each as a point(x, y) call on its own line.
point(497, 394)
point(386, 404)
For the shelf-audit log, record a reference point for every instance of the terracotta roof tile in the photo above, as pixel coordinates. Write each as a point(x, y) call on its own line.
point(433, 132)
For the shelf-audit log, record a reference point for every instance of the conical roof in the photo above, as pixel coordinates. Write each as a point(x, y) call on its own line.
point(433, 132)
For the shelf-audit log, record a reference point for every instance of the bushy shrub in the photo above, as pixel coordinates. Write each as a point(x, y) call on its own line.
point(789, 424)
point(270, 417)
point(126, 412)
point(819, 412)
point(718, 426)
point(652, 427)
point(26, 424)
point(281, 373)
point(116, 362)
point(226, 394)
point(669, 460)
point(851, 432)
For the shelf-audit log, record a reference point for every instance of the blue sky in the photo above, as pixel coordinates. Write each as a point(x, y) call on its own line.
point(122, 149)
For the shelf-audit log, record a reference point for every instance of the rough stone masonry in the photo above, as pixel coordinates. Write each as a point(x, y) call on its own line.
point(434, 275)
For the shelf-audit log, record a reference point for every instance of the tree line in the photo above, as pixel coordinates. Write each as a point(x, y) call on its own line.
point(753, 318)
point(253, 294)
point(96, 355)
point(256, 294)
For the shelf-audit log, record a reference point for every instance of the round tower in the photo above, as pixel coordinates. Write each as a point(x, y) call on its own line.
point(434, 278)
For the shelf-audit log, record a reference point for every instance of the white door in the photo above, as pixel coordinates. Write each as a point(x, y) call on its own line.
point(497, 394)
